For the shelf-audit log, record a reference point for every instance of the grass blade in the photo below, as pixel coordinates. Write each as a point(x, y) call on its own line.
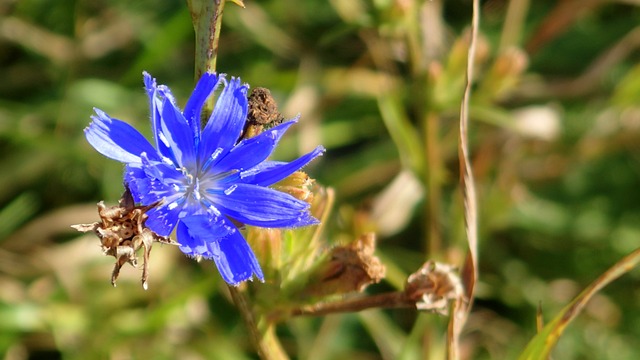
point(541, 345)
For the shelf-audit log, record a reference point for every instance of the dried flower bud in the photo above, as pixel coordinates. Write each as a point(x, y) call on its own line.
point(504, 75)
point(349, 268)
point(433, 286)
point(267, 244)
point(122, 233)
point(263, 112)
point(512, 62)
point(299, 185)
point(457, 61)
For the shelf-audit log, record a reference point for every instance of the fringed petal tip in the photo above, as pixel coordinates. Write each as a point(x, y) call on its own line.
point(233, 257)
point(308, 220)
point(99, 119)
point(237, 85)
point(116, 139)
point(149, 81)
point(237, 284)
point(300, 222)
point(295, 119)
point(269, 172)
point(99, 114)
point(318, 151)
point(235, 260)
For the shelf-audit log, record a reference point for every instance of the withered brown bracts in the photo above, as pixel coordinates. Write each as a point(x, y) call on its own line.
point(122, 233)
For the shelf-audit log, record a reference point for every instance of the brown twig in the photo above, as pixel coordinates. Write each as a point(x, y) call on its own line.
point(390, 300)
point(430, 288)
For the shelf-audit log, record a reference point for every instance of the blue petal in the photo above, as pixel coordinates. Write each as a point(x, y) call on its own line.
point(257, 205)
point(270, 172)
point(207, 226)
point(192, 111)
point(191, 246)
point(149, 85)
point(235, 260)
point(227, 121)
point(165, 93)
point(138, 183)
point(155, 110)
point(304, 219)
point(200, 235)
point(151, 181)
point(163, 219)
point(195, 231)
point(116, 139)
point(178, 135)
point(248, 153)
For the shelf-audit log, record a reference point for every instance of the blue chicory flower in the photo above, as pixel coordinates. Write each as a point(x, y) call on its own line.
point(205, 177)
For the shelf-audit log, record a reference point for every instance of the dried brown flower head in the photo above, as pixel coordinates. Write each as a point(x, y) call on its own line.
point(299, 185)
point(263, 112)
point(350, 268)
point(433, 286)
point(122, 233)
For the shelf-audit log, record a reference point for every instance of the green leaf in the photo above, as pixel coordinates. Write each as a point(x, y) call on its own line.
point(238, 2)
point(403, 133)
point(541, 345)
point(17, 212)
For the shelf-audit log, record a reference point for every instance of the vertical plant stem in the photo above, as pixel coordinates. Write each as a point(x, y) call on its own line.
point(207, 22)
point(513, 23)
point(262, 333)
point(426, 36)
point(433, 174)
point(430, 30)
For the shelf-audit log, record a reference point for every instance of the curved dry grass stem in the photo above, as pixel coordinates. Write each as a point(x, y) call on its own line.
point(470, 270)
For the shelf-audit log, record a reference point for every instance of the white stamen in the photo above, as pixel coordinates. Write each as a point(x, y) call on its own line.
point(163, 139)
point(216, 153)
point(230, 189)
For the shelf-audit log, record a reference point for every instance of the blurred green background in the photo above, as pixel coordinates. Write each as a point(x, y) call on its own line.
point(555, 137)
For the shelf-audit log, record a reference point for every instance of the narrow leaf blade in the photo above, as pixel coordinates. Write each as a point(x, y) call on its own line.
point(543, 343)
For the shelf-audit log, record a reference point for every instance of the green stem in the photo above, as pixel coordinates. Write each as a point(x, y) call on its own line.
point(434, 183)
point(207, 22)
point(262, 333)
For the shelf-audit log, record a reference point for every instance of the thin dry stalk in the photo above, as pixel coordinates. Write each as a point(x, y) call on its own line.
point(470, 270)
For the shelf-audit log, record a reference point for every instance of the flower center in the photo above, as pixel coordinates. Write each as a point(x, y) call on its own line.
point(197, 185)
point(193, 185)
